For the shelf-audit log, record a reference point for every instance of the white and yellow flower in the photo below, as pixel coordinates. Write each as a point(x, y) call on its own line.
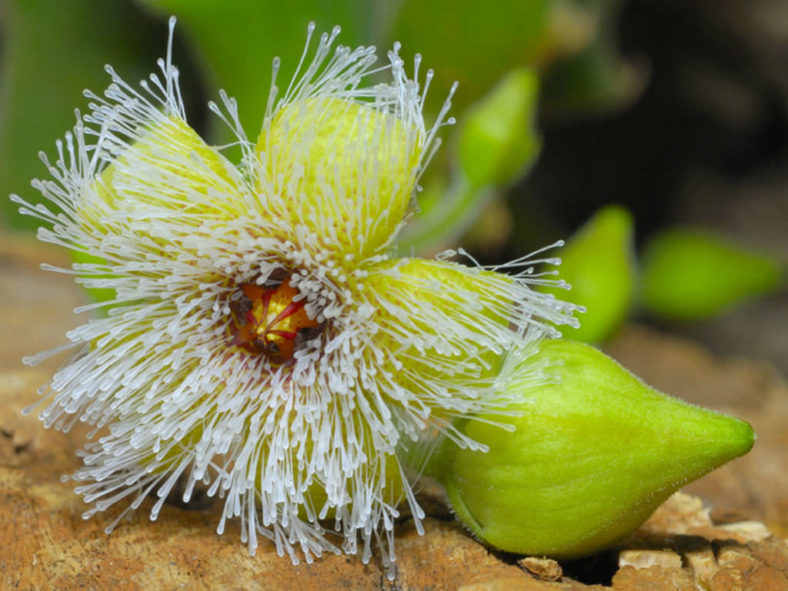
point(262, 342)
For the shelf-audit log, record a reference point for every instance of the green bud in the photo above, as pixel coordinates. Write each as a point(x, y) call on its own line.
point(688, 275)
point(599, 263)
point(497, 139)
point(590, 458)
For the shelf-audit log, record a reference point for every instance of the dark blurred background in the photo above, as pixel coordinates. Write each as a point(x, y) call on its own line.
point(710, 117)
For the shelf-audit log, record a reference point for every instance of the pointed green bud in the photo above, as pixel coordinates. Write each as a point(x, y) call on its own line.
point(498, 140)
point(688, 275)
point(589, 459)
point(599, 263)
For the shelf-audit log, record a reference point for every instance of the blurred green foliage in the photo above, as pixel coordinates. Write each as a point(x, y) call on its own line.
point(498, 137)
point(690, 275)
point(472, 42)
point(595, 77)
point(237, 40)
point(53, 50)
point(685, 275)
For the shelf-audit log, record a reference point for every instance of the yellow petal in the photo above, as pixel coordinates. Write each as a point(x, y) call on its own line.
point(443, 329)
point(169, 172)
point(342, 170)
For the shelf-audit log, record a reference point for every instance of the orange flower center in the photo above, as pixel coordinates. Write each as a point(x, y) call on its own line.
point(268, 320)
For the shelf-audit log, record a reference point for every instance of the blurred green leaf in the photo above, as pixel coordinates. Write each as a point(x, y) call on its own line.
point(471, 42)
point(599, 263)
point(52, 51)
point(475, 44)
point(445, 222)
point(689, 275)
point(238, 40)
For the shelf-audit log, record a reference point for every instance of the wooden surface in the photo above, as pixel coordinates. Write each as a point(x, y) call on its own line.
point(735, 541)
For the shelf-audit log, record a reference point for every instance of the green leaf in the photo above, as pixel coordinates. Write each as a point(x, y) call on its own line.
point(471, 42)
point(52, 52)
point(599, 263)
point(590, 457)
point(689, 275)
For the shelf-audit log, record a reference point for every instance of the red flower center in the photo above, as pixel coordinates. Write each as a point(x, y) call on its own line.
point(268, 320)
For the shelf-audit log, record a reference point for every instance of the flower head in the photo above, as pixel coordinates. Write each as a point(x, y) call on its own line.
point(262, 342)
